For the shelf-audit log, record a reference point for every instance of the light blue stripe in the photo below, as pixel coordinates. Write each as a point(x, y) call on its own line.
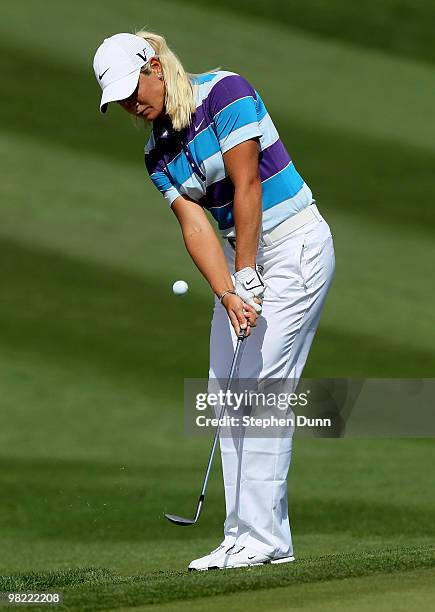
point(223, 215)
point(282, 186)
point(236, 115)
point(180, 170)
point(284, 210)
point(204, 145)
point(261, 109)
point(204, 78)
point(161, 181)
point(201, 148)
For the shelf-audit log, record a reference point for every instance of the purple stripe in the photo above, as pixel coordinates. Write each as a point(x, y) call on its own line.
point(200, 121)
point(166, 148)
point(227, 90)
point(152, 162)
point(273, 159)
point(218, 193)
point(162, 155)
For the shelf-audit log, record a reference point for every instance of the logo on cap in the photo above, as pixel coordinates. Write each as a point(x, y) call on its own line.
point(100, 76)
point(144, 56)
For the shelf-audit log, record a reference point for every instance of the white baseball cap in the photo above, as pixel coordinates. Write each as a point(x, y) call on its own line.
point(117, 65)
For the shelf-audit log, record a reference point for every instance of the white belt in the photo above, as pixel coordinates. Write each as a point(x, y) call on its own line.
point(303, 217)
point(307, 215)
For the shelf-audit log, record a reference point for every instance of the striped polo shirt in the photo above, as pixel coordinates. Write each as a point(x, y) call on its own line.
point(190, 162)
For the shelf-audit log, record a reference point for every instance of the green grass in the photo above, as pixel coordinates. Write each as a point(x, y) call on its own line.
point(401, 591)
point(402, 27)
point(95, 528)
point(94, 348)
point(96, 589)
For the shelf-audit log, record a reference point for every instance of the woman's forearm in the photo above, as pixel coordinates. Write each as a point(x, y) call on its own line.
point(206, 251)
point(247, 220)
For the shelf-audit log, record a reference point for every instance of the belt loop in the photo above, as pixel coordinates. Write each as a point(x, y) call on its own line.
point(315, 211)
point(267, 240)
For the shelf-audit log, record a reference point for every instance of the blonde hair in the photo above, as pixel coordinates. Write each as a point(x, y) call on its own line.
point(180, 90)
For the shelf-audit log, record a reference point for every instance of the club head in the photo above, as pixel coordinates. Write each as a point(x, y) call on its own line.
point(179, 520)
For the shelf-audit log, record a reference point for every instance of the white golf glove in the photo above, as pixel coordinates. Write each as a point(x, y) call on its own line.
point(249, 284)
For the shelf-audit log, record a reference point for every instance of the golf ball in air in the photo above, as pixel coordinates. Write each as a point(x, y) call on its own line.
point(180, 287)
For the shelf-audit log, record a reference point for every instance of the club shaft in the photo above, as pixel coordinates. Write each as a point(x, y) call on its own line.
point(234, 365)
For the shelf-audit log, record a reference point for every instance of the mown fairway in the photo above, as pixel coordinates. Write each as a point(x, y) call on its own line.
point(94, 347)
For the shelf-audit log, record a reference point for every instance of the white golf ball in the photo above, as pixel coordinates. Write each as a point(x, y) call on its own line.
point(180, 287)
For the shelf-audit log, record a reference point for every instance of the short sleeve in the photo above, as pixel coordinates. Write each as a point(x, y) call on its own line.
point(233, 107)
point(159, 177)
point(164, 185)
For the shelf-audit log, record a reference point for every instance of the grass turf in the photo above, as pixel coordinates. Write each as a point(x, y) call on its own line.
point(93, 347)
point(401, 27)
point(399, 591)
point(97, 588)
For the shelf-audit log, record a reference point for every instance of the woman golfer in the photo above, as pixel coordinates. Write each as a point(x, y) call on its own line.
point(214, 147)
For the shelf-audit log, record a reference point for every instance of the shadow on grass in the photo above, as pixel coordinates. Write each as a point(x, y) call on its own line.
point(374, 26)
point(386, 181)
point(81, 501)
point(82, 314)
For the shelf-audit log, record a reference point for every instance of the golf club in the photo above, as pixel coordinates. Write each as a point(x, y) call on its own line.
point(179, 520)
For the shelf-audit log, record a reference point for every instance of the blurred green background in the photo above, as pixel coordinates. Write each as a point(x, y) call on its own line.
point(93, 345)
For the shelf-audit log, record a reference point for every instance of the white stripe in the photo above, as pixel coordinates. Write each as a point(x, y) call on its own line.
point(234, 138)
point(193, 187)
point(170, 195)
point(214, 169)
point(269, 132)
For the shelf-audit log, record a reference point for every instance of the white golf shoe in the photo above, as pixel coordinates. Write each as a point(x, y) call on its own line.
point(202, 564)
point(242, 556)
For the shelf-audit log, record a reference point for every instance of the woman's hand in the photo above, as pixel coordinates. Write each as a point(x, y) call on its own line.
point(241, 315)
point(250, 286)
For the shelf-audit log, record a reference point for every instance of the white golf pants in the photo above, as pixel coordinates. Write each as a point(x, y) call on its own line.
point(298, 271)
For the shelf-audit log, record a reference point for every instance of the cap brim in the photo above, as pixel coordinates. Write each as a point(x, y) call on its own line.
point(119, 90)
